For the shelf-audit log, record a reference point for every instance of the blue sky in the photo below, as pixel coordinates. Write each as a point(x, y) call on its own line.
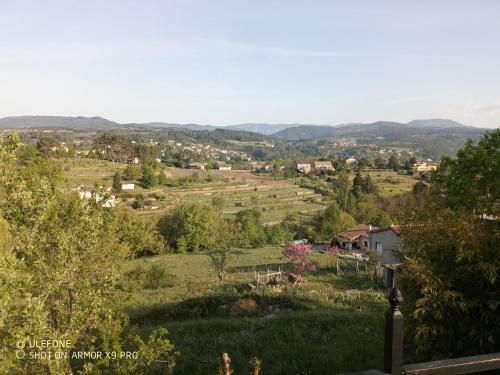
point(225, 62)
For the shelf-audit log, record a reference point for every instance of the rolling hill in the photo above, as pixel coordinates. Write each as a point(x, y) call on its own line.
point(20, 122)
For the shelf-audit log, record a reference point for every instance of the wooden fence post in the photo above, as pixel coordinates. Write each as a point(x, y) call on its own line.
point(227, 364)
point(393, 340)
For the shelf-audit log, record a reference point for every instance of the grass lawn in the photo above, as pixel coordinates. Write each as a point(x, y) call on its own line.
point(332, 323)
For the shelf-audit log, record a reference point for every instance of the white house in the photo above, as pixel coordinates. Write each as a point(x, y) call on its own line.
point(303, 166)
point(356, 238)
point(424, 167)
point(323, 166)
point(128, 186)
point(224, 167)
point(385, 241)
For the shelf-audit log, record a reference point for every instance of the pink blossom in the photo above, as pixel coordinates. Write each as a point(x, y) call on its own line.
point(299, 254)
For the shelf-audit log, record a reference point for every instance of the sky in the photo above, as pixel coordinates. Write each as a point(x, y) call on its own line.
point(236, 61)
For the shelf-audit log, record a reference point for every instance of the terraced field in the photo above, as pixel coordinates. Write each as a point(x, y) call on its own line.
point(239, 190)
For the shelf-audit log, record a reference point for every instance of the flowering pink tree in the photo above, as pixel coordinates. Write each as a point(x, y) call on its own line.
point(299, 254)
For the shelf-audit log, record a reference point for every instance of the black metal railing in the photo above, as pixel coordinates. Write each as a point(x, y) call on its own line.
point(393, 348)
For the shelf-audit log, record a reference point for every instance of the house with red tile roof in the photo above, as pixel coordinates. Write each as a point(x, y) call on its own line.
point(357, 238)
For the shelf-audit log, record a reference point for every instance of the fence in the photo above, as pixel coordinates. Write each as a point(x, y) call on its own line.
point(393, 349)
point(262, 278)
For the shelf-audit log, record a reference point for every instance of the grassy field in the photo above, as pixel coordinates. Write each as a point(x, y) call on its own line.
point(389, 182)
point(332, 323)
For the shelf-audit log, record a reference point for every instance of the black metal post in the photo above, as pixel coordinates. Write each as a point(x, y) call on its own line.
point(393, 339)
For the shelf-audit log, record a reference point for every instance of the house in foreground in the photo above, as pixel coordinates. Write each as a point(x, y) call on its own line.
point(364, 237)
point(386, 241)
point(357, 238)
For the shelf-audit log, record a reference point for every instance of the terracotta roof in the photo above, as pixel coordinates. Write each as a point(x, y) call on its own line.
point(395, 228)
point(358, 230)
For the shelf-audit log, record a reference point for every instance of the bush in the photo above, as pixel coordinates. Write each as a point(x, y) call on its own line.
point(154, 277)
point(244, 306)
point(157, 277)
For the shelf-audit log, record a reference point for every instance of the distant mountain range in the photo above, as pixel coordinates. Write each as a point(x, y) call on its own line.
point(292, 132)
point(21, 122)
point(373, 130)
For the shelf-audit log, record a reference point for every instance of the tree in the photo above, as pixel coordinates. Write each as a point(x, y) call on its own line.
point(47, 146)
point(276, 234)
point(450, 268)
point(139, 202)
point(393, 162)
point(367, 208)
point(343, 194)
point(148, 178)
point(450, 282)
point(471, 181)
point(141, 237)
point(299, 255)
point(220, 250)
point(381, 219)
point(162, 178)
point(72, 294)
point(379, 163)
point(357, 182)
point(250, 230)
point(368, 186)
point(332, 221)
point(191, 226)
point(117, 181)
point(131, 172)
point(420, 187)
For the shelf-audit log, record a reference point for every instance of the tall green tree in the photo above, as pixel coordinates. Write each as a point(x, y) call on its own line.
point(117, 181)
point(59, 269)
point(471, 181)
point(450, 266)
point(149, 178)
point(190, 226)
point(131, 172)
point(250, 230)
point(450, 282)
point(331, 221)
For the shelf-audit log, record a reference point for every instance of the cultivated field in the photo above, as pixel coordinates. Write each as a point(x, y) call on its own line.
point(239, 189)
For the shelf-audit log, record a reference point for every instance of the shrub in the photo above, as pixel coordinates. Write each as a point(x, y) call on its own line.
point(157, 277)
point(244, 306)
